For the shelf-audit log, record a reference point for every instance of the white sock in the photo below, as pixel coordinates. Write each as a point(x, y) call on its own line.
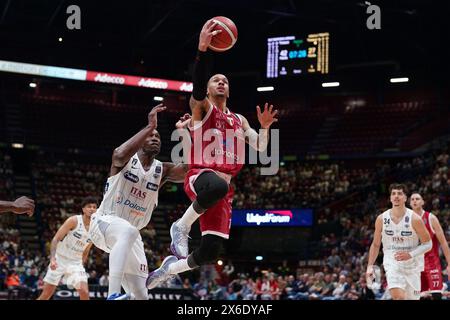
point(189, 217)
point(125, 237)
point(179, 267)
point(136, 285)
point(115, 284)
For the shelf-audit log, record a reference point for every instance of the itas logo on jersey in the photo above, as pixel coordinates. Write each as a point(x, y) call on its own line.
point(152, 186)
point(398, 239)
point(389, 232)
point(79, 244)
point(131, 177)
point(135, 192)
point(406, 233)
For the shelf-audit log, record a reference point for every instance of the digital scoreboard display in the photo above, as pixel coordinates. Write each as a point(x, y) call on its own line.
point(291, 55)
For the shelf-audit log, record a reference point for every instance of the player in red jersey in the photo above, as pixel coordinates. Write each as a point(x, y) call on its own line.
point(431, 277)
point(217, 154)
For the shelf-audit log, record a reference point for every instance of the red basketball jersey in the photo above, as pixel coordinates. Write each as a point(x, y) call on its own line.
point(218, 142)
point(432, 260)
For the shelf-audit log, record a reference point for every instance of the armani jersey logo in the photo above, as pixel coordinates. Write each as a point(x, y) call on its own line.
point(389, 232)
point(158, 169)
point(406, 233)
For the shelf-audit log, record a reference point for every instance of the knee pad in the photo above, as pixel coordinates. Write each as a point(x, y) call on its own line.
point(210, 188)
point(209, 250)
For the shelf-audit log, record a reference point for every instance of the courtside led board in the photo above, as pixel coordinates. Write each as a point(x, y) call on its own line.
point(272, 218)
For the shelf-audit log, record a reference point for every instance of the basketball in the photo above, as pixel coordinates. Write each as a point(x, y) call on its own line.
point(226, 39)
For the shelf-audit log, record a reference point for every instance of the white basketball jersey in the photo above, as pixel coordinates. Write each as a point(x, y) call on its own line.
point(399, 237)
point(132, 194)
point(75, 242)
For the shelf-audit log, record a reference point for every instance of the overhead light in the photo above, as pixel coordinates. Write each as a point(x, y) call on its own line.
point(17, 145)
point(330, 84)
point(396, 80)
point(259, 258)
point(60, 39)
point(32, 85)
point(157, 98)
point(261, 89)
point(219, 262)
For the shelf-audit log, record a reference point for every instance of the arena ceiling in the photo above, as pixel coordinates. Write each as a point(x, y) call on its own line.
point(159, 37)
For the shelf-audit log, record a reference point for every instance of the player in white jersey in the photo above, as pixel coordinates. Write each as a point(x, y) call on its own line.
point(405, 241)
point(69, 251)
point(131, 195)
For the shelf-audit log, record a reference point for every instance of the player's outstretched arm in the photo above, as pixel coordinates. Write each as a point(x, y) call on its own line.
point(174, 172)
point(126, 150)
point(69, 224)
point(19, 206)
point(199, 103)
point(375, 246)
point(442, 240)
point(266, 119)
point(184, 121)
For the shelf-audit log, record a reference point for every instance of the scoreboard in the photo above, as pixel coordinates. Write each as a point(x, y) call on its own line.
point(291, 55)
